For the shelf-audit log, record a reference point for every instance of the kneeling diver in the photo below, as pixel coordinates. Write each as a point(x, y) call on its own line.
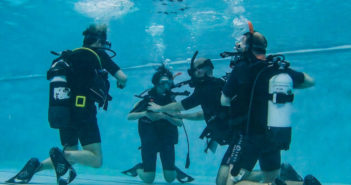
point(158, 131)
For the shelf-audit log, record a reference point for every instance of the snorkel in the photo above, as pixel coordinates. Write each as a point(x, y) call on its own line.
point(193, 68)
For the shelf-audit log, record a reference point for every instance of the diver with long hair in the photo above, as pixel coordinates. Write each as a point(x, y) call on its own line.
point(158, 131)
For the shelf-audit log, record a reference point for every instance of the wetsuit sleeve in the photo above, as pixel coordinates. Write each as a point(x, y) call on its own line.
point(107, 63)
point(297, 77)
point(191, 101)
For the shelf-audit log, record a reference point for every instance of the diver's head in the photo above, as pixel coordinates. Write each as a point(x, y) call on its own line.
point(96, 36)
point(202, 68)
point(252, 42)
point(162, 80)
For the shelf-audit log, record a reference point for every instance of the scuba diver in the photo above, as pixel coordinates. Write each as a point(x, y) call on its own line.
point(207, 93)
point(78, 80)
point(262, 88)
point(158, 131)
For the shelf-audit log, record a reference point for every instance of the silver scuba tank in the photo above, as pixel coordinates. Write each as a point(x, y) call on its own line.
point(59, 114)
point(280, 109)
point(279, 112)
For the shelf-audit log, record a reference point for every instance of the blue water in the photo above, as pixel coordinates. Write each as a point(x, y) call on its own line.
point(29, 29)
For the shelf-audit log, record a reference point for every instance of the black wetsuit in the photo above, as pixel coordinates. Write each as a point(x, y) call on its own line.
point(157, 136)
point(208, 95)
point(257, 145)
point(84, 122)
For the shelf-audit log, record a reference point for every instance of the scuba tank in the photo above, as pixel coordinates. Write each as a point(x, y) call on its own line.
point(279, 110)
point(280, 98)
point(59, 114)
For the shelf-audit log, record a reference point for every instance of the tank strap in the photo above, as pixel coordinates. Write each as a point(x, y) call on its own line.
point(92, 51)
point(281, 97)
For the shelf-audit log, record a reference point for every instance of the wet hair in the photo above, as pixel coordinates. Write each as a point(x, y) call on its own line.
point(93, 33)
point(161, 71)
point(256, 42)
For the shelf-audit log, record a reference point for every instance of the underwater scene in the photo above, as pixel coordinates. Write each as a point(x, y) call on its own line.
point(152, 45)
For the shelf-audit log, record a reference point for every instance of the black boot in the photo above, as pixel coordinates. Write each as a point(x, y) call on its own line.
point(288, 173)
point(183, 177)
point(310, 180)
point(27, 172)
point(133, 171)
point(62, 167)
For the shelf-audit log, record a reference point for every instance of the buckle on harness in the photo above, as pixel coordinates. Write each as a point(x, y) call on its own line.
point(281, 97)
point(80, 101)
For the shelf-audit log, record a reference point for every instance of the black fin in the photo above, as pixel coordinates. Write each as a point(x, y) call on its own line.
point(27, 172)
point(311, 180)
point(287, 172)
point(183, 177)
point(278, 181)
point(62, 167)
point(133, 171)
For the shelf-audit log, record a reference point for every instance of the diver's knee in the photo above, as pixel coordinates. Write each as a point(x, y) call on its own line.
point(97, 162)
point(240, 175)
point(147, 177)
point(169, 175)
point(269, 176)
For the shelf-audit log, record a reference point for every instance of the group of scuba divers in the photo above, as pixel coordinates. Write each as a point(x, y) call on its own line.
point(249, 110)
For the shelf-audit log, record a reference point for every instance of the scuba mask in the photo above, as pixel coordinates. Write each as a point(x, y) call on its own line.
point(194, 79)
point(193, 68)
point(165, 83)
point(163, 78)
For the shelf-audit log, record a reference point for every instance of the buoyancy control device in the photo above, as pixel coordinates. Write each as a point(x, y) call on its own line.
point(61, 97)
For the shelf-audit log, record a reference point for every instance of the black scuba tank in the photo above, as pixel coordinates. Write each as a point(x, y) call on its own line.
point(60, 101)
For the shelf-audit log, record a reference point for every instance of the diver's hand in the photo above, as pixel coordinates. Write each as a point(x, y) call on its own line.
point(153, 107)
point(121, 84)
point(154, 116)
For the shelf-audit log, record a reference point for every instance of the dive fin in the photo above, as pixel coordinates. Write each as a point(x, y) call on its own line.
point(278, 181)
point(288, 173)
point(133, 171)
point(27, 172)
point(183, 177)
point(311, 180)
point(62, 167)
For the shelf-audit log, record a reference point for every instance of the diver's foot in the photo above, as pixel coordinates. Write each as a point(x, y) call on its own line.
point(62, 167)
point(288, 173)
point(310, 180)
point(278, 181)
point(133, 171)
point(27, 172)
point(183, 177)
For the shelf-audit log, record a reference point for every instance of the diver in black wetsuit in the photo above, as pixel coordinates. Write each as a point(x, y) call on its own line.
point(261, 86)
point(158, 131)
point(85, 85)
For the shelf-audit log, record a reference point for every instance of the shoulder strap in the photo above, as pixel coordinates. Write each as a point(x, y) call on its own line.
point(92, 51)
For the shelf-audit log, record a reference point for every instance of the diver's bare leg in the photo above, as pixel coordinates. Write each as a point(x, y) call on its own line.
point(222, 175)
point(91, 155)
